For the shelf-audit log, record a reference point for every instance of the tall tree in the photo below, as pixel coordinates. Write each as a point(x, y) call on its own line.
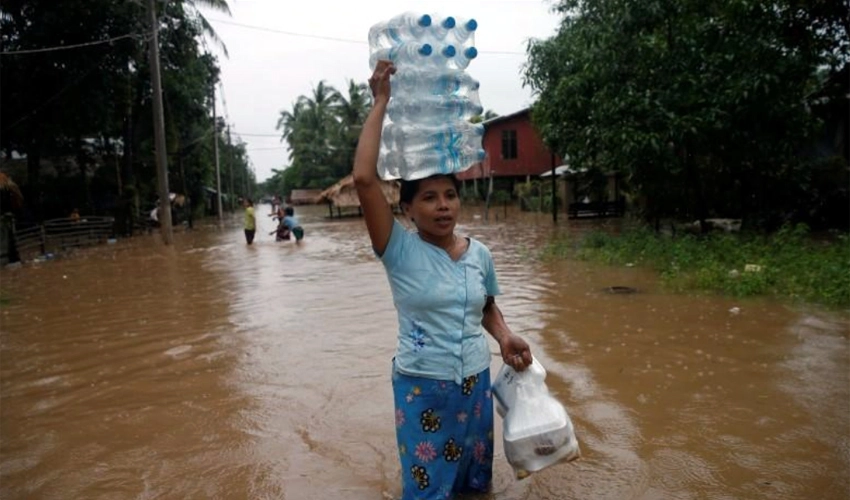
point(309, 131)
point(350, 111)
point(701, 105)
point(92, 103)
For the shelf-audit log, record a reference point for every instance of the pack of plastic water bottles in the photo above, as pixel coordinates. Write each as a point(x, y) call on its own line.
point(427, 129)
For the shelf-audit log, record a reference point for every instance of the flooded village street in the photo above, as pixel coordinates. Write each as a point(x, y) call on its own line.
point(211, 369)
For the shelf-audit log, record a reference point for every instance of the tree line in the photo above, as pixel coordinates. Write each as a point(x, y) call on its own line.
point(76, 120)
point(704, 108)
point(321, 132)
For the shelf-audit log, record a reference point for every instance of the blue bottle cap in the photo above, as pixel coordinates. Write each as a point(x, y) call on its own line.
point(472, 25)
point(425, 21)
point(449, 51)
point(470, 53)
point(449, 22)
point(426, 49)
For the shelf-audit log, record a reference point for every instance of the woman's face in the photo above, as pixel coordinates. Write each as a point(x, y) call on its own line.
point(435, 207)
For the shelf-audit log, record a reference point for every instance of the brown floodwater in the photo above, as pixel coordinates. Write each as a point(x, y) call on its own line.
point(211, 369)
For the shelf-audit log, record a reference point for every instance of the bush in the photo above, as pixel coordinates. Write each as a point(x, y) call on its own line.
point(788, 264)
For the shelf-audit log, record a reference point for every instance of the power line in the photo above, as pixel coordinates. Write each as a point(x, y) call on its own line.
point(75, 46)
point(334, 39)
point(267, 149)
point(290, 33)
point(256, 135)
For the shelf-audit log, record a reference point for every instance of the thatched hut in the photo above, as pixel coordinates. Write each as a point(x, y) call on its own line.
point(342, 196)
point(304, 196)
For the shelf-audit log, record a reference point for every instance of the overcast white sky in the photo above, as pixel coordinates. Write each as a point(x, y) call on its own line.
point(267, 71)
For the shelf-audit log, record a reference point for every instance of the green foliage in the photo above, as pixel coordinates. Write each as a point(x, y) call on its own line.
point(321, 132)
point(500, 197)
point(536, 196)
point(89, 110)
point(489, 114)
point(788, 264)
point(704, 106)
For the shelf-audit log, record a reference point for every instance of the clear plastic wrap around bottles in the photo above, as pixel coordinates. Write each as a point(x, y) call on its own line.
point(433, 110)
point(427, 129)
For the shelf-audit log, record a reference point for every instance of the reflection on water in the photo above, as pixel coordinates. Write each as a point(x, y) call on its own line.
point(216, 370)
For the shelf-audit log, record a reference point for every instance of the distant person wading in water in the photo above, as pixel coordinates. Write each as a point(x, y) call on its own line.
point(250, 221)
point(291, 223)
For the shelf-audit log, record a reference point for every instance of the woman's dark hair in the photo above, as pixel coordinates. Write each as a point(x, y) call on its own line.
point(288, 211)
point(410, 188)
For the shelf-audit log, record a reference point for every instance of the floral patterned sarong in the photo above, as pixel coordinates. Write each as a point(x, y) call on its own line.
point(445, 435)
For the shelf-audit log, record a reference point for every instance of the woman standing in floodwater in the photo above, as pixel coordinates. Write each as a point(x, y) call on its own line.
point(250, 221)
point(443, 288)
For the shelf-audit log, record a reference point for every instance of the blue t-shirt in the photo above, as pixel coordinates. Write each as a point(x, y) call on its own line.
point(290, 221)
point(440, 304)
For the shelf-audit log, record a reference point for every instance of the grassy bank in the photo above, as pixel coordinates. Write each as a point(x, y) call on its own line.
point(788, 264)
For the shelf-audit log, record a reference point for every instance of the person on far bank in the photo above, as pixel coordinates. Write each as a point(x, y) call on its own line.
point(250, 221)
point(291, 222)
point(443, 287)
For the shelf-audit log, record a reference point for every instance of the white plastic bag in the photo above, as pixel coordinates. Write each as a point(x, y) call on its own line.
point(537, 431)
point(505, 385)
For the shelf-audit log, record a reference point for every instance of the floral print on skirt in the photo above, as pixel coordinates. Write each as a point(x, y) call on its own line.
point(445, 435)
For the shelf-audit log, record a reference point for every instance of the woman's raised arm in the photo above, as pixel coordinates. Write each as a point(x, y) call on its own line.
point(376, 210)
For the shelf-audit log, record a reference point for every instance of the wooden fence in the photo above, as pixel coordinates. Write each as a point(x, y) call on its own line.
point(57, 235)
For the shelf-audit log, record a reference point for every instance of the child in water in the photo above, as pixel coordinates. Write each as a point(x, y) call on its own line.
point(282, 232)
point(292, 224)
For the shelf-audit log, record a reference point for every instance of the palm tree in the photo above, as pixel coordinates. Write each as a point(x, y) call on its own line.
point(289, 123)
point(309, 130)
point(206, 27)
point(351, 112)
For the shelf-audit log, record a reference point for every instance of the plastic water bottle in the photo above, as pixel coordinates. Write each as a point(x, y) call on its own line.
point(441, 29)
point(410, 81)
point(403, 27)
point(391, 162)
point(445, 54)
point(400, 55)
point(462, 60)
point(414, 139)
point(435, 110)
point(463, 32)
point(421, 164)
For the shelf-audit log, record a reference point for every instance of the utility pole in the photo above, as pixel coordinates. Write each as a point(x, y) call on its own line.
point(159, 130)
point(230, 166)
point(215, 150)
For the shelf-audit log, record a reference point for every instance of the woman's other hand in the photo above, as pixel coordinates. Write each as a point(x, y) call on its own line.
point(380, 80)
point(515, 352)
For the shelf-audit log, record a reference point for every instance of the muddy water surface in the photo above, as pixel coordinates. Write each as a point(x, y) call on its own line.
point(215, 370)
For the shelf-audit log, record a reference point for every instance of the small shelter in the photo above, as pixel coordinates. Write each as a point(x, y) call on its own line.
point(304, 196)
point(588, 195)
point(342, 196)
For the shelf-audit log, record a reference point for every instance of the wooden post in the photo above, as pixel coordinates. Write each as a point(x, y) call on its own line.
point(554, 192)
point(159, 130)
point(230, 166)
point(215, 152)
point(489, 195)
